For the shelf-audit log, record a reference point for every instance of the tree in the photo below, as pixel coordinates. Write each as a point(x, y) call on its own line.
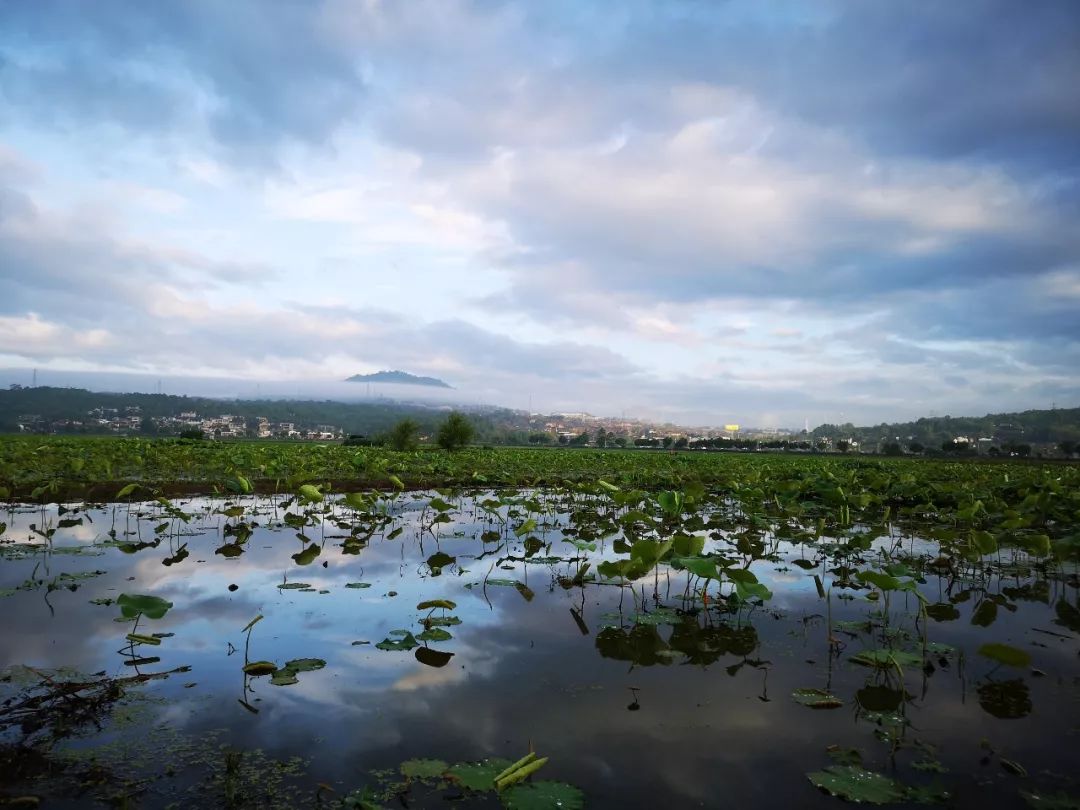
point(843, 445)
point(580, 440)
point(456, 432)
point(915, 447)
point(602, 438)
point(404, 435)
point(681, 443)
point(892, 449)
point(147, 426)
point(620, 441)
point(668, 441)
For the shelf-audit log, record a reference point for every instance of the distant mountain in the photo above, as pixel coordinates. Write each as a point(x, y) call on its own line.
point(398, 378)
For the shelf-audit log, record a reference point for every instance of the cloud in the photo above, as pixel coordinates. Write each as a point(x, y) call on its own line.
point(251, 77)
point(710, 212)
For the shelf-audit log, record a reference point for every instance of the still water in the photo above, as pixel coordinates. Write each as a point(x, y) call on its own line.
point(640, 694)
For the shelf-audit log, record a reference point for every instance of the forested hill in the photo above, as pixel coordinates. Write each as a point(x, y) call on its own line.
point(398, 378)
point(368, 418)
point(1057, 425)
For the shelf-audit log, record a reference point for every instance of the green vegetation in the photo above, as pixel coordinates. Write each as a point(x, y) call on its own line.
point(665, 560)
point(367, 418)
point(456, 432)
point(1053, 426)
point(46, 467)
point(404, 436)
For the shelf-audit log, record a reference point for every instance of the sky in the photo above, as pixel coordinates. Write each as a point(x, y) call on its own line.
point(743, 211)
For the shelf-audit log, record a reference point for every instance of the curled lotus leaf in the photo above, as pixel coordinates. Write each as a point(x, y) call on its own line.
point(257, 668)
point(436, 603)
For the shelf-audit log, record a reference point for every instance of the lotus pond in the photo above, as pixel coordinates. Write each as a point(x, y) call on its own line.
point(799, 639)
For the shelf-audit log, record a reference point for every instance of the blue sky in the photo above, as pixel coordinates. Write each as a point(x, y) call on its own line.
point(701, 211)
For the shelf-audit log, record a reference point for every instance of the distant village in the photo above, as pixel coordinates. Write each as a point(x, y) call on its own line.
point(130, 419)
point(568, 429)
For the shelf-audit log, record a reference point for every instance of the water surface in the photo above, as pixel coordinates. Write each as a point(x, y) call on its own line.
point(639, 694)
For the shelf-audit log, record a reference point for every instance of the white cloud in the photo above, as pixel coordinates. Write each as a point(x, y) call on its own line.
point(598, 206)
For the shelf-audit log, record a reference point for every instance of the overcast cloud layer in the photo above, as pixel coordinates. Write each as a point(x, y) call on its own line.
point(701, 211)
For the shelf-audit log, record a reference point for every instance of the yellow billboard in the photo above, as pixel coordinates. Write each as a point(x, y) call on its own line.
point(731, 428)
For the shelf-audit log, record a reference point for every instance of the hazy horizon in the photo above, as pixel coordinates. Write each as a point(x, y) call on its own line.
point(226, 388)
point(753, 212)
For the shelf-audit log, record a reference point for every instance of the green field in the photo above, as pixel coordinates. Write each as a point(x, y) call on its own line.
point(50, 468)
point(905, 617)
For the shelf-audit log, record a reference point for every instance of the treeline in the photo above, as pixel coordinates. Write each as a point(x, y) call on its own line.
point(1037, 426)
point(54, 405)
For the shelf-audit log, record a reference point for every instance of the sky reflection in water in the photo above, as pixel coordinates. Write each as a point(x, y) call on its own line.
point(696, 711)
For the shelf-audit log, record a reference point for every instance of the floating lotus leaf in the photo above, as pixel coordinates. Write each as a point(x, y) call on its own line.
point(543, 796)
point(857, 784)
point(407, 641)
point(882, 659)
point(152, 607)
point(423, 768)
point(816, 699)
point(434, 634)
point(477, 775)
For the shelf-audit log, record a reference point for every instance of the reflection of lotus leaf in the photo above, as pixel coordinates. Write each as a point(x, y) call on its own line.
point(433, 658)
point(438, 561)
point(704, 645)
point(307, 555)
point(661, 615)
point(943, 612)
point(642, 645)
point(879, 698)
point(1008, 700)
point(1004, 654)
point(1067, 616)
point(985, 613)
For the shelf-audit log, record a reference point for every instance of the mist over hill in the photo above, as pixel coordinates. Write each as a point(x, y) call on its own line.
point(398, 378)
